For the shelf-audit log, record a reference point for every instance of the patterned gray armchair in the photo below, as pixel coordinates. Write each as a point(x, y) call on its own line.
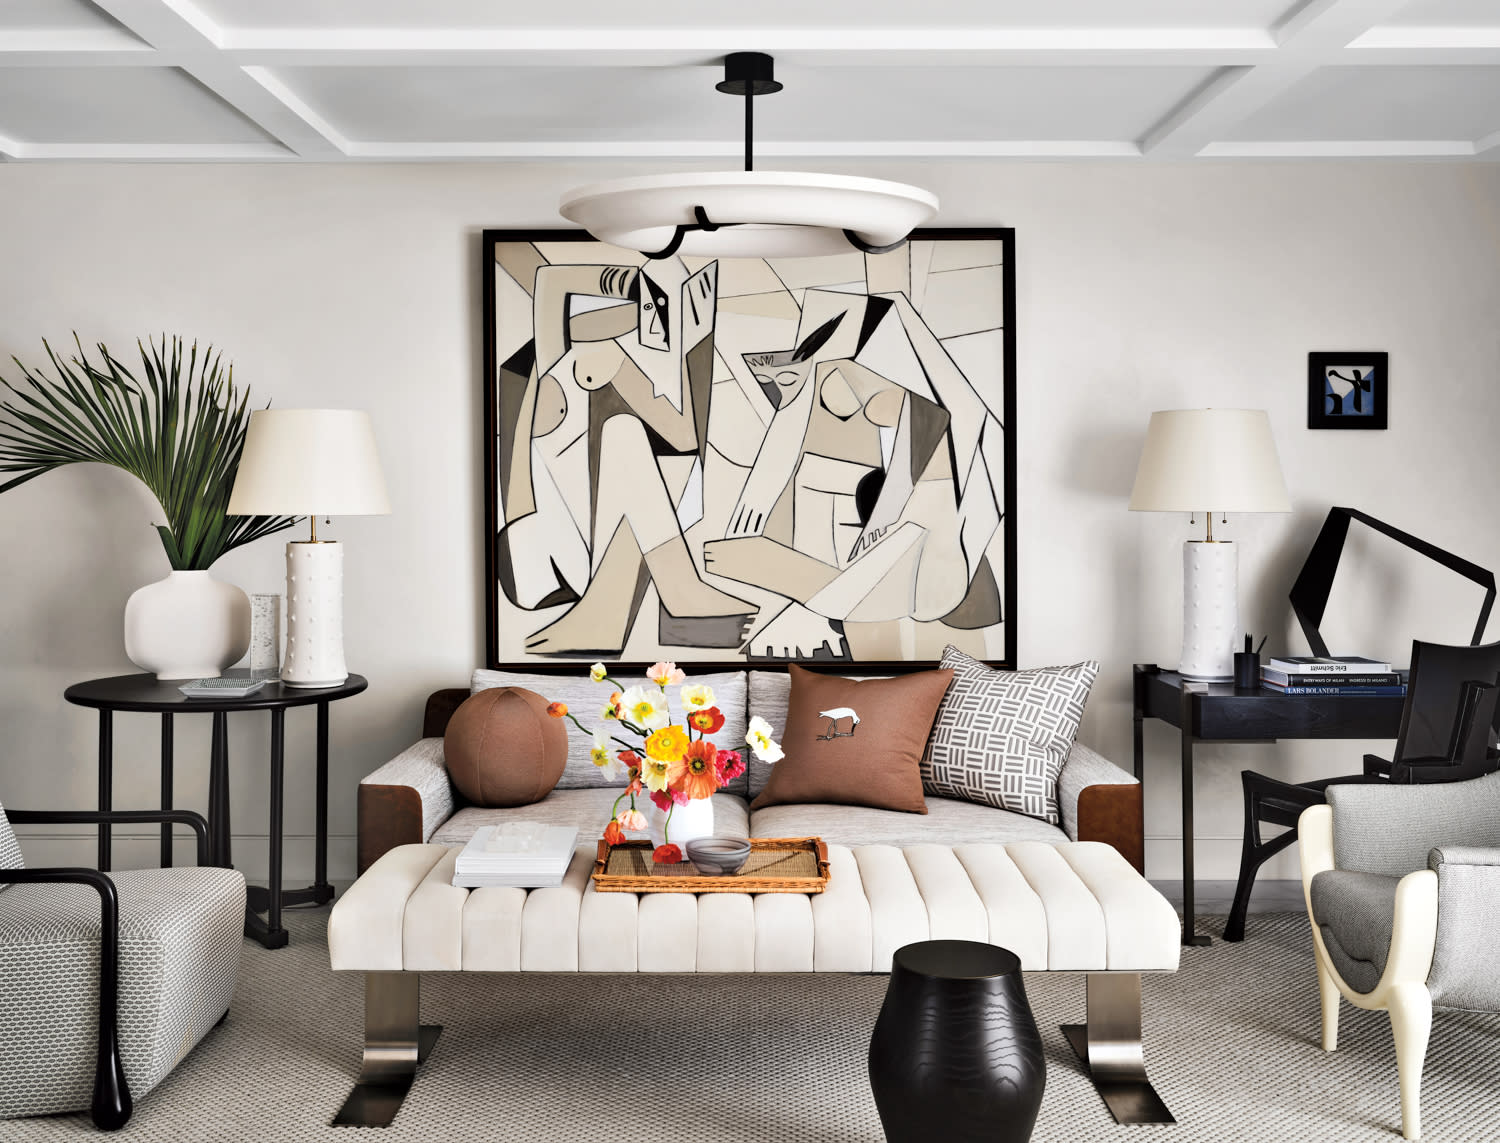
point(108, 980)
point(1402, 885)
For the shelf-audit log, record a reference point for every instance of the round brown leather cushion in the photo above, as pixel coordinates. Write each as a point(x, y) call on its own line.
point(502, 748)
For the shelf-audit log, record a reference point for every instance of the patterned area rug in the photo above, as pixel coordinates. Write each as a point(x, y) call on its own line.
point(1231, 1041)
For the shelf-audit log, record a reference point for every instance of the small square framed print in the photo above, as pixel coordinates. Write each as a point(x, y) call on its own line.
point(1347, 390)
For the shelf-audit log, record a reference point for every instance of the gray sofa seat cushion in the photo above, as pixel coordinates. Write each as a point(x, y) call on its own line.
point(1355, 912)
point(948, 821)
point(10, 850)
point(587, 809)
point(586, 699)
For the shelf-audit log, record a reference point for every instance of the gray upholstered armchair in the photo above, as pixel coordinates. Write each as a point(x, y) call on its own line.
point(108, 980)
point(1403, 888)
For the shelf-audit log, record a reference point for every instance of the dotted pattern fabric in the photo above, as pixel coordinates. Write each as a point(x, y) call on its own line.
point(1001, 737)
point(1231, 1044)
point(10, 849)
point(180, 937)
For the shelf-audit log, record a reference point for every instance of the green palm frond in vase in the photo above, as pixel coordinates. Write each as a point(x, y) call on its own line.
point(180, 433)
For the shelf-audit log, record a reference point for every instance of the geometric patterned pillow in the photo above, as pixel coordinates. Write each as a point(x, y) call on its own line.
point(1001, 737)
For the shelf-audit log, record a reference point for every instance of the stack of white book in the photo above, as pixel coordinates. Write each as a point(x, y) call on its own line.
point(524, 855)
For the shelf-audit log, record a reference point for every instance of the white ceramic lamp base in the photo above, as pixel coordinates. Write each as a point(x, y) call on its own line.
point(314, 615)
point(1210, 610)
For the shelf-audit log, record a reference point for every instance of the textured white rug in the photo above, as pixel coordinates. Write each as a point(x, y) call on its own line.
point(1231, 1041)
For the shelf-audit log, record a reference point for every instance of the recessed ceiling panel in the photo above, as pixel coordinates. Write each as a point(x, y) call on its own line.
point(1449, 14)
point(472, 14)
point(37, 15)
point(1365, 103)
point(544, 104)
point(116, 105)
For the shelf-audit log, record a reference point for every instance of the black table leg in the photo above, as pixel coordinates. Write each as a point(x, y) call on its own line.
point(320, 852)
point(218, 792)
point(1138, 682)
point(269, 931)
point(166, 788)
point(106, 781)
point(1190, 935)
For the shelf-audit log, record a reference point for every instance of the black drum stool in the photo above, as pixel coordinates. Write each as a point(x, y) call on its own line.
point(956, 1048)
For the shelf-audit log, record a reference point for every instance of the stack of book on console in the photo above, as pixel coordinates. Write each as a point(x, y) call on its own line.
point(522, 855)
point(1336, 675)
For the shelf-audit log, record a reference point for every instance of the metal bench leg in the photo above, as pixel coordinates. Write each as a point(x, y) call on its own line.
point(1110, 1047)
point(395, 1043)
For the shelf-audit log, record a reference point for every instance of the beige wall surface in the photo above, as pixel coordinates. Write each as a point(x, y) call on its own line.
point(1139, 288)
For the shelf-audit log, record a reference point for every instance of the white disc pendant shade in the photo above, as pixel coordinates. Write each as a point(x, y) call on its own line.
point(311, 462)
point(1210, 610)
point(764, 214)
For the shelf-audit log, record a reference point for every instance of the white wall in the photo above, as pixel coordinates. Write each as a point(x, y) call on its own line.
point(1140, 287)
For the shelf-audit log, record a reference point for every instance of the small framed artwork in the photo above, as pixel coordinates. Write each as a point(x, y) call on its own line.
point(1347, 390)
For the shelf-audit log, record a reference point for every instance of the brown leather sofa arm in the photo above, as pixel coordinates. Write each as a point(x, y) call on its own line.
point(388, 816)
point(1115, 815)
point(440, 708)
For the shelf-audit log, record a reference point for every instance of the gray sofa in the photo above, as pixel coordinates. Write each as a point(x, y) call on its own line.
point(410, 798)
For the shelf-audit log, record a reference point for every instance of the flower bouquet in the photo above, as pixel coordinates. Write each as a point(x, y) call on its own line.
point(673, 764)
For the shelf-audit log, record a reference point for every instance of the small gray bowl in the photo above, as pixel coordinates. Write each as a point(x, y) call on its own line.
point(718, 856)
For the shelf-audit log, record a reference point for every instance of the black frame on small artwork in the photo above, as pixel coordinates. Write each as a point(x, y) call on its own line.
point(1005, 570)
point(1368, 370)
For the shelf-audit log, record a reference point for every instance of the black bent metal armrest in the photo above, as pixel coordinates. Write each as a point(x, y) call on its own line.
point(112, 1104)
point(117, 817)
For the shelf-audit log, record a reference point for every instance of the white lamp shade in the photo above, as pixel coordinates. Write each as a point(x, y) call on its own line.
point(309, 462)
point(1209, 460)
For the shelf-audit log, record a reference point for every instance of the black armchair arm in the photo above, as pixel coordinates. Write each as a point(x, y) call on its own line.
point(112, 1104)
point(116, 817)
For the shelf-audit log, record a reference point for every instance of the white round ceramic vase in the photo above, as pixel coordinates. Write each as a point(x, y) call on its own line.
point(187, 626)
point(690, 820)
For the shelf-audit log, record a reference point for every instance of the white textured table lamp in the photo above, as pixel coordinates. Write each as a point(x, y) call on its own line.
point(1209, 460)
point(311, 462)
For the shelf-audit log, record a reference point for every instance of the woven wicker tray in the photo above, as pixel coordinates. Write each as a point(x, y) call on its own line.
point(775, 865)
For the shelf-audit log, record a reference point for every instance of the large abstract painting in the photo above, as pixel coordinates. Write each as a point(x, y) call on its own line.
point(742, 459)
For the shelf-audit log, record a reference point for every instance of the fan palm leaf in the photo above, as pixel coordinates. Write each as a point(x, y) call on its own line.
point(180, 431)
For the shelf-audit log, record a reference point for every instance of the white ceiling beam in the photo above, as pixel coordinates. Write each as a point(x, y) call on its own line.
point(712, 149)
point(1306, 40)
point(1342, 149)
point(148, 152)
point(179, 27)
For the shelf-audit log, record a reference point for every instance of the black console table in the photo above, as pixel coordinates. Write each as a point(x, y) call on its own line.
point(1222, 712)
point(143, 693)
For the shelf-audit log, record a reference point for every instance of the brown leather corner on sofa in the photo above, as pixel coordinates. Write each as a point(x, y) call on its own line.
point(1115, 815)
point(388, 816)
point(440, 708)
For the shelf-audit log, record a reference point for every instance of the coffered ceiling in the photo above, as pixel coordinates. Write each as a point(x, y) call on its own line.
point(341, 80)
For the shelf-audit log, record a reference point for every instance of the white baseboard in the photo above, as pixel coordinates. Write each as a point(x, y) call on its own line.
point(1214, 859)
point(134, 849)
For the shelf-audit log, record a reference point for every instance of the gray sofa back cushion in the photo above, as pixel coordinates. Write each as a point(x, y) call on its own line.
point(586, 698)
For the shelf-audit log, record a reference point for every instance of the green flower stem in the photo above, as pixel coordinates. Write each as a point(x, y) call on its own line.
point(573, 718)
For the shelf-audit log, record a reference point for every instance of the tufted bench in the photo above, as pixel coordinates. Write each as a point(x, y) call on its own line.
point(1075, 907)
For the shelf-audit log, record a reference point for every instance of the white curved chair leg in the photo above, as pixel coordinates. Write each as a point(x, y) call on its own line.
point(1328, 993)
point(1411, 1023)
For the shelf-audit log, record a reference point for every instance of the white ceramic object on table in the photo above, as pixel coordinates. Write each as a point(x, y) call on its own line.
point(187, 626)
point(1210, 609)
point(690, 820)
point(265, 634)
point(314, 615)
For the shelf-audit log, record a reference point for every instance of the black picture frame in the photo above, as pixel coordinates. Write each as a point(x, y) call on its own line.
point(1007, 571)
point(1364, 405)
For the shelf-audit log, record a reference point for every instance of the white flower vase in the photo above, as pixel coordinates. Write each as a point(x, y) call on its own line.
point(187, 626)
point(689, 820)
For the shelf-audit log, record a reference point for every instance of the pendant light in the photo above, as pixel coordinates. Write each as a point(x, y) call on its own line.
point(749, 213)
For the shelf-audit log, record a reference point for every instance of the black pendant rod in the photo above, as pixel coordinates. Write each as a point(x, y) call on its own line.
point(750, 127)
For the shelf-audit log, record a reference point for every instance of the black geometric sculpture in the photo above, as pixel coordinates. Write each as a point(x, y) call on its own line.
point(1309, 595)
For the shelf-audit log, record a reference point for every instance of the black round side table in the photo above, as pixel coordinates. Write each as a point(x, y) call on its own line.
point(143, 693)
point(956, 1053)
